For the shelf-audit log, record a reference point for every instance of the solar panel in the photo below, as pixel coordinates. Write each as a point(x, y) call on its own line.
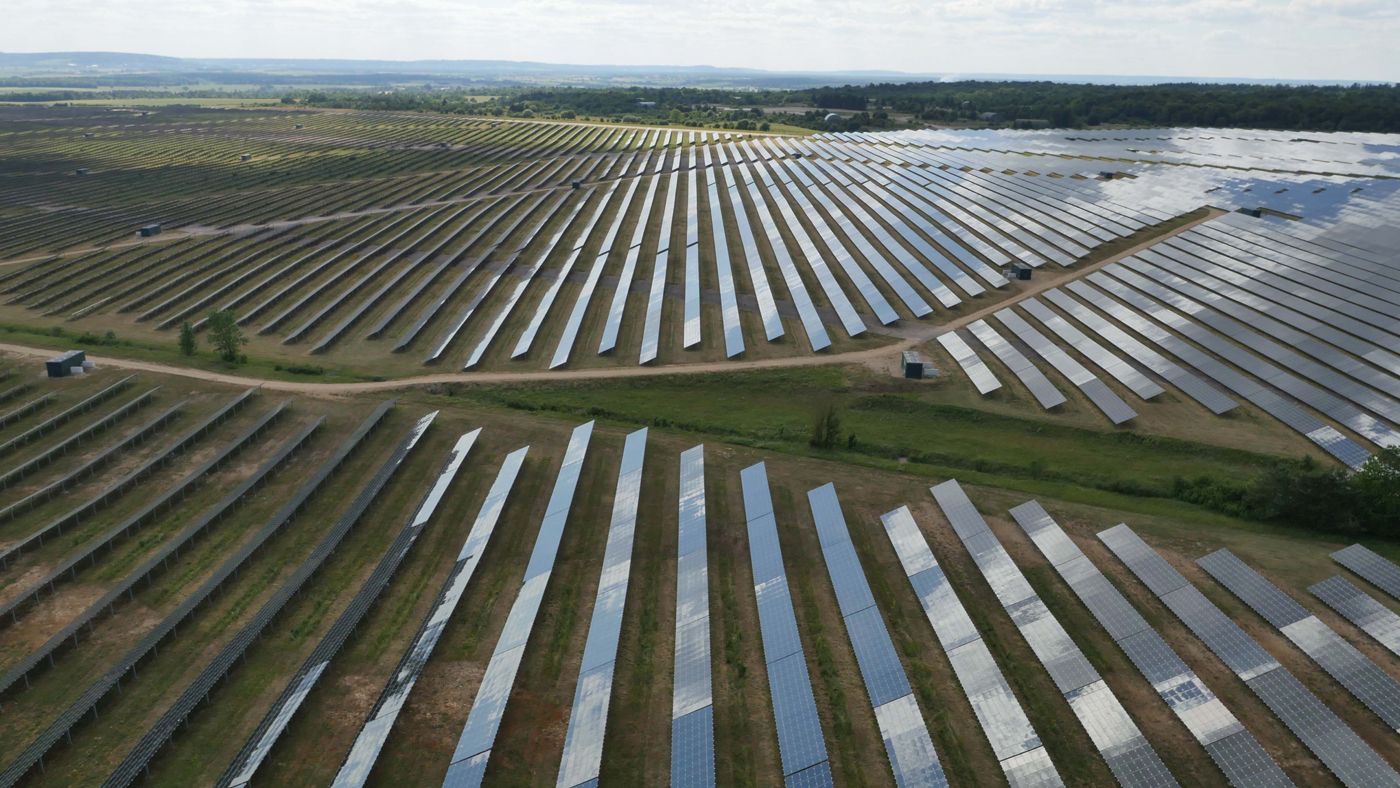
point(977, 371)
point(1335, 744)
point(269, 730)
point(800, 741)
point(1372, 567)
point(871, 294)
point(574, 321)
point(474, 744)
point(1188, 383)
point(1105, 359)
point(876, 259)
point(1363, 678)
point(1126, 751)
point(612, 323)
point(758, 277)
point(797, 291)
point(691, 308)
point(365, 751)
point(582, 758)
point(886, 685)
point(651, 323)
point(892, 248)
point(911, 751)
point(693, 749)
point(1358, 607)
point(1040, 387)
point(1103, 398)
point(724, 269)
point(1184, 692)
point(527, 276)
point(1013, 739)
point(1283, 409)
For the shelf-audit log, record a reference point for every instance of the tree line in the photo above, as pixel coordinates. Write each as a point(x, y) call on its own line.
point(1370, 108)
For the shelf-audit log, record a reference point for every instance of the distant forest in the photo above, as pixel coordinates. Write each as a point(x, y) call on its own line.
point(1373, 108)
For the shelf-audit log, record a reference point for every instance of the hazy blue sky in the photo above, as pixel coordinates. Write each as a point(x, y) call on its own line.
point(1298, 39)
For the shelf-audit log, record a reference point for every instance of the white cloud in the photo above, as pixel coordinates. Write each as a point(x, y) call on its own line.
point(1302, 39)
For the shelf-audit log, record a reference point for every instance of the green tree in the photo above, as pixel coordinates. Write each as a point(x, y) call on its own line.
point(225, 335)
point(1377, 488)
point(187, 339)
point(826, 427)
point(1306, 494)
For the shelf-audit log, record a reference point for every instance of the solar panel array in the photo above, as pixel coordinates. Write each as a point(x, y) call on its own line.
point(82, 437)
point(1098, 393)
point(473, 751)
point(54, 422)
point(133, 523)
point(139, 757)
point(976, 369)
point(1013, 738)
point(245, 764)
point(1116, 737)
point(692, 700)
point(375, 731)
point(1294, 326)
point(588, 721)
point(1363, 678)
point(912, 756)
point(1034, 380)
point(100, 499)
point(1316, 726)
point(1372, 567)
point(863, 230)
point(1233, 748)
point(45, 654)
point(1361, 609)
point(801, 745)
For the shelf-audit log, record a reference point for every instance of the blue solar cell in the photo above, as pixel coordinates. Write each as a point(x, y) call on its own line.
point(757, 499)
point(693, 749)
point(816, 776)
point(847, 578)
point(879, 664)
point(795, 711)
point(692, 586)
point(1245, 762)
point(776, 621)
point(1372, 567)
point(765, 553)
point(468, 773)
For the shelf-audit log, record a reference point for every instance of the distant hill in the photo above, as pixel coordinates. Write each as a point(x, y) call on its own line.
point(113, 69)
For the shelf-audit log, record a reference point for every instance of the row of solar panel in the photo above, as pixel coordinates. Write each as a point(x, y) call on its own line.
point(260, 742)
point(1136, 282)
point(98, 500)
point(1013, 738)
point(1117, 738)
point(583, 740)
point(801, 745)
point(1233, 748)
point(912, 756)
point(92, 547)
point(1333, 742)
point(904, 197)
point(355, 770)
point(197, 691)
point(473, 751)
point(692, 703)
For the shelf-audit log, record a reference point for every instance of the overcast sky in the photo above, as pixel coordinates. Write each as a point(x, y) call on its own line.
point(1286, 39)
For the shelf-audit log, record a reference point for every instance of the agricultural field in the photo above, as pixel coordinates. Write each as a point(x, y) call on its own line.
point(579, 454)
